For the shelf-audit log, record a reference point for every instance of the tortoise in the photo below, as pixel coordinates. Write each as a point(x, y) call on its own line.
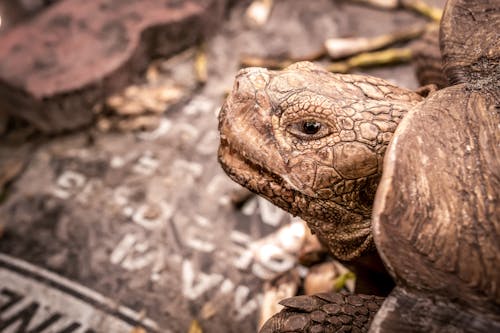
point(374, 168)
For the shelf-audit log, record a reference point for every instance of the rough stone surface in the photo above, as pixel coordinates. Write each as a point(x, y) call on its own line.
point(56, 66)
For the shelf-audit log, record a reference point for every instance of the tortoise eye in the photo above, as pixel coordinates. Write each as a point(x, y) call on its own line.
point(311, 127)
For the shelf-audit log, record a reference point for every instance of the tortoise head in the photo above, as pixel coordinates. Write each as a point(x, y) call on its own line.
point(313, 142)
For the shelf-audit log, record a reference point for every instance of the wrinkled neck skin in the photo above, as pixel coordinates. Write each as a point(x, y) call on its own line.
point(313, 143)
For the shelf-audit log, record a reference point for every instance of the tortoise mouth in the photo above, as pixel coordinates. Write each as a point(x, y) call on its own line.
point(256, 177)
point(245, 156)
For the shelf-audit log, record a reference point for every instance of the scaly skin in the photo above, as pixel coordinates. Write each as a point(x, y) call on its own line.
point(313, 143)
point(324, 313)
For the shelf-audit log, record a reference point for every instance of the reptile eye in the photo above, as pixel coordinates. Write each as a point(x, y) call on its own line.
point(309, 129)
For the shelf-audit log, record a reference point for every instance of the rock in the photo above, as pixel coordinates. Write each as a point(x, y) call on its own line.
point(56, 66)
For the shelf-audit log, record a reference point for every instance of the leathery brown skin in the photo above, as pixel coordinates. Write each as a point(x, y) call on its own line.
point(313, 142)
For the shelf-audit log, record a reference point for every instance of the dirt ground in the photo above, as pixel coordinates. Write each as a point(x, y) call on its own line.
point(146, 218)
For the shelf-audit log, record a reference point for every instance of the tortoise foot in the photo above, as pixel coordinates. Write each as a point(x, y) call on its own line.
point(326, 312)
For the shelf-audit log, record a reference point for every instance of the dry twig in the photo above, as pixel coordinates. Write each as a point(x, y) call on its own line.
point(418, 6)
point(343, 47)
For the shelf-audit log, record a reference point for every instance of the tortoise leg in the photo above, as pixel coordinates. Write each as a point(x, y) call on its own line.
point(326, 312)
point(405, 311)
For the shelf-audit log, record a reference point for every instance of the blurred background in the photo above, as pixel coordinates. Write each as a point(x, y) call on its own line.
point(108, 140)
